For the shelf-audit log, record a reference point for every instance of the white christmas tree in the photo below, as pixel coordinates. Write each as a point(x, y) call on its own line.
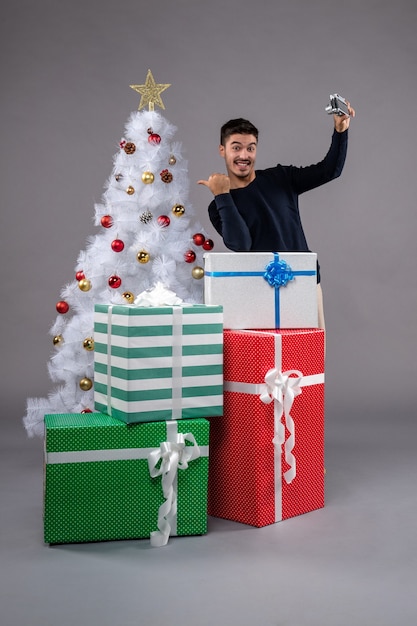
point(146, 236)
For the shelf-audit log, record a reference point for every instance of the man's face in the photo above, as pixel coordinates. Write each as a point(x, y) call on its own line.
point(239, 153)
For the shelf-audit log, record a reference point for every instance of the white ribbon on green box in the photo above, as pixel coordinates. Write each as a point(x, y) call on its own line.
point(281, 388)
point(158, 363)
point(174, 454)
point(176, 344)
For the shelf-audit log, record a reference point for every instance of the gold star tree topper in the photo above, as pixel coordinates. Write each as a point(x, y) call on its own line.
point(150, 92)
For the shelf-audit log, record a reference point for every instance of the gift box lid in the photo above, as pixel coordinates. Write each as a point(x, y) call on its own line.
point(98, 431)
point(263, 289)
point(256, 263)
point(132, 310)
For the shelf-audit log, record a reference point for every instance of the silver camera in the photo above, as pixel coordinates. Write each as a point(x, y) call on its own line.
point(337, 106)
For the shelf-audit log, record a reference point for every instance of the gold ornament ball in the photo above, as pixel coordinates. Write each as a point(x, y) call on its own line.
point(86, 384)
point(143, 256)
point(88, 344)
point(178, 210)
point(129, 297)
point(148, 178)
point(57, 340)
point(172, 160)
point(130, 190)
point(197, 272)
point(84, 284)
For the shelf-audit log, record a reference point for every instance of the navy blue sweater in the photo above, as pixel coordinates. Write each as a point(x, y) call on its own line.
point(264, 216)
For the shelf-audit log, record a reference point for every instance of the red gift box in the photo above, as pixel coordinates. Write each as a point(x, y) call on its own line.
point(267, 452)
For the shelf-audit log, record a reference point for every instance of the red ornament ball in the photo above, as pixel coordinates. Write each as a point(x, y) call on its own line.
point(199, 239)
point(117, 245)
point(62, 307)
point(86, 411)
point(107, 221)
point(79, 276)
point(163, 221)
point(114, 281)
point(208, 244)
point(189, 256)
point(154, 138)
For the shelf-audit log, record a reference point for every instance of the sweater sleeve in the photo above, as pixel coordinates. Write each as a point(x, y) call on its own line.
point(306, 178)
point(228, 222)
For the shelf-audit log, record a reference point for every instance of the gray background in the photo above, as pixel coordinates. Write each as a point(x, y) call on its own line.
point(65, 98)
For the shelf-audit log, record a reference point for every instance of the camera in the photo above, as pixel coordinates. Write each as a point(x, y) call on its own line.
point(337, 106)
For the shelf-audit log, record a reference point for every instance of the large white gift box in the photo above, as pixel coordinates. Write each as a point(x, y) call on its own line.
point(263, 289)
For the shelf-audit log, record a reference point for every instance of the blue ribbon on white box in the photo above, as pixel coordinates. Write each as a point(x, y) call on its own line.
point(278, 273)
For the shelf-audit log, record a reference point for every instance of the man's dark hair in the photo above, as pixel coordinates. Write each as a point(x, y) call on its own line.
point(238, 126)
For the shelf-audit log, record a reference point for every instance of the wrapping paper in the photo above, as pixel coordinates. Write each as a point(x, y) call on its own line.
point(263, 289)
point(267, 452)
point(158, 363)
point(105, 480)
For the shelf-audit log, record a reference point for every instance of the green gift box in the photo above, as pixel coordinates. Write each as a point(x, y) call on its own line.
point(158, 363)
point(105, 480)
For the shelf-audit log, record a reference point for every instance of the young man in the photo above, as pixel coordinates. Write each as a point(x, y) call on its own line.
point(257, 210)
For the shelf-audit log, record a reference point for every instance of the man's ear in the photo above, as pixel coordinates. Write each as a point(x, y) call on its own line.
point(221, 150)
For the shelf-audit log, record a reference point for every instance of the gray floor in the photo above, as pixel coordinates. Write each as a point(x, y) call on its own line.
point(352, 563)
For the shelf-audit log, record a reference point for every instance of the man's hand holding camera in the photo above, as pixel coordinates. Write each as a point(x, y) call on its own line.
point(341, 122)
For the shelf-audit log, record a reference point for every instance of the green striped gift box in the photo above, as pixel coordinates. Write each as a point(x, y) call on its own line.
point(98, 485)
point(158, 363)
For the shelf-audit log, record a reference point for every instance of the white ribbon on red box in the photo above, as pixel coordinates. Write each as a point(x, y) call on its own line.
point(281, 388)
